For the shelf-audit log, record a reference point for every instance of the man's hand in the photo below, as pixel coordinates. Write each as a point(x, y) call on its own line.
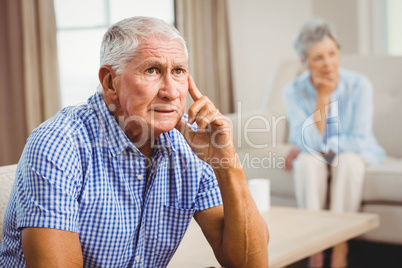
point(213, 140)
point(236, 232)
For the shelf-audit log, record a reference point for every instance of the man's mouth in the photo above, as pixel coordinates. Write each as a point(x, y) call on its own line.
point(166, 109)
point(163, 111)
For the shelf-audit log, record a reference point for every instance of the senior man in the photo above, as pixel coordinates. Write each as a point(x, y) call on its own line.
point(116, 181)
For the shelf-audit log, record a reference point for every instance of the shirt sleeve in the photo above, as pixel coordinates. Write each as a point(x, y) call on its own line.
point(48, 185)
point(209, 194)
point(303, 131)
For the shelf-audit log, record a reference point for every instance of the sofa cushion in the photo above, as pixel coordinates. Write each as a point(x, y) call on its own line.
point(268, 163)
point(383, 183)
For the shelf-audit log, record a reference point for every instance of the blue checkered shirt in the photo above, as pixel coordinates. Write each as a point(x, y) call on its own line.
point(80, 172)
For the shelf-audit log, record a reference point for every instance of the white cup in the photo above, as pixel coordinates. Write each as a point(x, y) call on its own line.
point(260, 191)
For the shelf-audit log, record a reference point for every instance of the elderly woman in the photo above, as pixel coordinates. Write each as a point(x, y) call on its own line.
point(330, 112)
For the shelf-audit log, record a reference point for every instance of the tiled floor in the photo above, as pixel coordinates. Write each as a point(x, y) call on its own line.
point(366, 255)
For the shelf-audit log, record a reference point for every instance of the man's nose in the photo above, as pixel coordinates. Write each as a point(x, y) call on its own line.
point(168, 89)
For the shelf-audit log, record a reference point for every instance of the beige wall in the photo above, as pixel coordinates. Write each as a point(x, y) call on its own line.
point(343, 14)
point(262, 35)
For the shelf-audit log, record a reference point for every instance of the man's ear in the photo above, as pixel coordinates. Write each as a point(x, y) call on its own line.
point(106, 76)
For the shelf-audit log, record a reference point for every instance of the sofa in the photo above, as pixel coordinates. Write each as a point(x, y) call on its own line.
point(7, 177)
point(261, 140)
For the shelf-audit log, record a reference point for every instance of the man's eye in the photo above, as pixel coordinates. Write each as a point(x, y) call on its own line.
point(151, 70)
point(178, 71)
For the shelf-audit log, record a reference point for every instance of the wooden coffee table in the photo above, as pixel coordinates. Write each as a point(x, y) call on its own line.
point(294, 235)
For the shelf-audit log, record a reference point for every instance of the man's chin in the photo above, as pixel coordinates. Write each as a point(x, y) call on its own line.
point(165, 126)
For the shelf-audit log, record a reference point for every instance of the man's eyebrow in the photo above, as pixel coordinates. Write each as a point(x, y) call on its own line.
point(180, 64)
point(161, 64)
point(150, 64)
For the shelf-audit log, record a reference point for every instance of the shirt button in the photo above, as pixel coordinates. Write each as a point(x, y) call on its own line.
point(140, 177)
point(137, 258)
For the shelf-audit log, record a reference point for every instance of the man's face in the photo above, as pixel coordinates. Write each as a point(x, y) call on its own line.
point(153, 87)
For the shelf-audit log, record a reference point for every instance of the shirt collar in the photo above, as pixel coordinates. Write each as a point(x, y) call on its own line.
point(116, 139)
point(164, 144)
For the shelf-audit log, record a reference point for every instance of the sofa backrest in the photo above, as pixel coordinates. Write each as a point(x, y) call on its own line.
point(286, 72)
point(385, 73)
point(7, 176)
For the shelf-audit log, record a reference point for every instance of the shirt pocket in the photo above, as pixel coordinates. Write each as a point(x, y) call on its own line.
point(173, 223)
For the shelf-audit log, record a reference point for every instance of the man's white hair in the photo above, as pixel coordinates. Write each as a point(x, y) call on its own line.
point(122, 39)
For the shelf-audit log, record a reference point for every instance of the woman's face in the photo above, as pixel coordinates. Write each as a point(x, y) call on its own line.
point(323, 59)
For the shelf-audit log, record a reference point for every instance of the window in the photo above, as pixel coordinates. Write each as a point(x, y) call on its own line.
point(394, 26)
point(80, 29)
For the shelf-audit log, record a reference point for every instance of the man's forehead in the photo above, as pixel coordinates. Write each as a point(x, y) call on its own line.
point(161, 56)
point(162, 45)
point(158, 52)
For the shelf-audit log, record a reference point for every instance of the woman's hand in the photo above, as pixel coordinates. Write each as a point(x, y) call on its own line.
point(290, 157)
point(324, 85)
